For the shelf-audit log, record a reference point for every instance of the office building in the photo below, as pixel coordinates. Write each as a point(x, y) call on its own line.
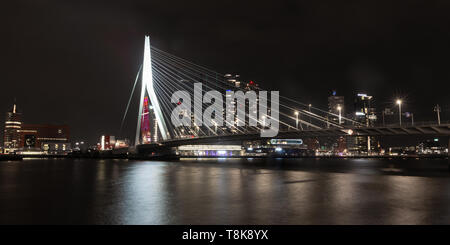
point(336, 107)
point(365, 114)
point(13, 125)
point(45, 139)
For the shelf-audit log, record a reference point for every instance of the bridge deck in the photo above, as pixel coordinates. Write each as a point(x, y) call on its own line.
point(432, 130)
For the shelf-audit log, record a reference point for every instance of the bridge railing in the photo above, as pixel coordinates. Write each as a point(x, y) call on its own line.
point(411, 124)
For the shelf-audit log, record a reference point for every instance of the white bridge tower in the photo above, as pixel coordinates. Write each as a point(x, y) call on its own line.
point(147, 85)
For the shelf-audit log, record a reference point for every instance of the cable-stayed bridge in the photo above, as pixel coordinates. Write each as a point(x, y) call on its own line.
point(162, 74)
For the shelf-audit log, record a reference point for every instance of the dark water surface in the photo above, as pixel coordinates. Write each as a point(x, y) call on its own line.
point(225, 191)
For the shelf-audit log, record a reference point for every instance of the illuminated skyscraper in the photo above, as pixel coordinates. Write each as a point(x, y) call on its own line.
point(13, 124)
point(233, 80)
point(149, 124)
point(336, 106)
point(365, 114)
point(364, 109)
point(145, 124)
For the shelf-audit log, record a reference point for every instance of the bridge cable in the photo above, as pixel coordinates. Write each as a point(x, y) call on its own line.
point(129, 100)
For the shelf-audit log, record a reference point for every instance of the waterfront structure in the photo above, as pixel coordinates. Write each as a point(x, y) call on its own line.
point(110, 142)
point(340, 147)
point(12, 127)
point(107, 142)
point(80, 147)
point(210, 150)
point(287, 147)
point(34, 138)
point(432, 147)
point(122, 143)
point(44, 139)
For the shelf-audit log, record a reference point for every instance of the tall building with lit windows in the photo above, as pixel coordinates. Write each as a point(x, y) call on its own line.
point(234, 84)
point(149, 124)
point(13, 125)
point(336, 107)
point(24, 139)
point(365, 114)
point(233, 80)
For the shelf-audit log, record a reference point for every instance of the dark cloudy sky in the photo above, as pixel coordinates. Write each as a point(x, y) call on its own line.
point(74, 62)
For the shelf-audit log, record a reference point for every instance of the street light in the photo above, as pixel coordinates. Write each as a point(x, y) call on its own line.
point(215, 127)
point(399, 102)
point(296, 119)
point(339, 109)
point(309, 112)
point(264, 121)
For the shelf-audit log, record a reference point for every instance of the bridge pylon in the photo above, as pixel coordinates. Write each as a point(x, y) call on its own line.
point(148, 86)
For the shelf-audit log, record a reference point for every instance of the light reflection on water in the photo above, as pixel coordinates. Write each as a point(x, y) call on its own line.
point(225, 191)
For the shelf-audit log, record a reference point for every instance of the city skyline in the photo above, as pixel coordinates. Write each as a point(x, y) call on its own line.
point(71, 61)
point(348, 108)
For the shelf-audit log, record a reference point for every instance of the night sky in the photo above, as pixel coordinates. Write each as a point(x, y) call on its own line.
point(75, 62)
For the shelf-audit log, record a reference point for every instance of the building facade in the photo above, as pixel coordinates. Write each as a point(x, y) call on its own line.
point(365, 111)
point(365, 114)
point(45, 138)
point(12, 127)
point(23, 138)
point(336, 107)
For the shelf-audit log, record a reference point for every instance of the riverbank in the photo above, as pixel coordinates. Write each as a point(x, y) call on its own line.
point(328, 157)
point(10, 157)
point(177, 157)
point(230, 191)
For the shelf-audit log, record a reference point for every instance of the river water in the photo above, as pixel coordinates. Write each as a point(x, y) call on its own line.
point(225, 191)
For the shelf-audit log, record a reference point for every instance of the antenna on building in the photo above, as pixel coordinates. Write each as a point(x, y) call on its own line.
point(14, 107)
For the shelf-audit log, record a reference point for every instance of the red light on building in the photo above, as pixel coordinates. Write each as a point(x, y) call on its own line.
point(145, 122)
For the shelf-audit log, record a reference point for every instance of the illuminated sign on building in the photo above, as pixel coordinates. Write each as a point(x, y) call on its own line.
point(286, 141)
